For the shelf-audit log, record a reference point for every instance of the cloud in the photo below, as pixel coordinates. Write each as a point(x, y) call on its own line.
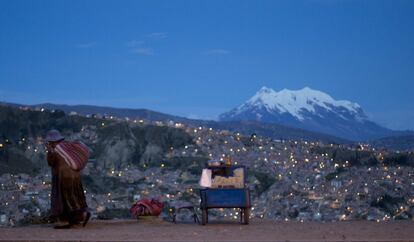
point(216, 52)
point(158, 35)
point(143, 51)
point(138, 46)
point(134, 43)
point(86, 45)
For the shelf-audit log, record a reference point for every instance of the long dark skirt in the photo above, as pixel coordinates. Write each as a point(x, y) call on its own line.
point(68, 202)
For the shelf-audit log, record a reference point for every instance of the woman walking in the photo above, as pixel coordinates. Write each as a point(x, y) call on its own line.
point(68, 202)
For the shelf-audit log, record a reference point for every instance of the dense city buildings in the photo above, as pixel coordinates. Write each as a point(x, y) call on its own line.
point(290, 179)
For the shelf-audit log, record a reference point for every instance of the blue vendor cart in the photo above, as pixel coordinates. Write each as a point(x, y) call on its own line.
point(226, 196)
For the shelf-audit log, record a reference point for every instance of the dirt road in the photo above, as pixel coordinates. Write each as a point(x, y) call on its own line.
point(258, 230)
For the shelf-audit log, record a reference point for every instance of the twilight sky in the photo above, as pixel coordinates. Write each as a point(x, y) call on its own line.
point(201, 58)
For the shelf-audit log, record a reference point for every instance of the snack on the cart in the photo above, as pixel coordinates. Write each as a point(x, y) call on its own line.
point(220, 181)
point(239, 172)
point(236, 181)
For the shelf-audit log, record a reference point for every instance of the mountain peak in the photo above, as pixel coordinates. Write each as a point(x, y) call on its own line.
point(265, 90)
point(304, 107)
point(298, 102)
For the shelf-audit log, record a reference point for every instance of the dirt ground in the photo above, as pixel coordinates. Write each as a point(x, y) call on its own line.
point(257, 230)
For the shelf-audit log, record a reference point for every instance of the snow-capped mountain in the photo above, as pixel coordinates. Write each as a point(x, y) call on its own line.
point(309, 109)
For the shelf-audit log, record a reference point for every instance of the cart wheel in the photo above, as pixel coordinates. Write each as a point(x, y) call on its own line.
point(204, 216)
point(246, 215)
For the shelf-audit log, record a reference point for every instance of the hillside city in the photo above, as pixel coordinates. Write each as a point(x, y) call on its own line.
point(296, 180)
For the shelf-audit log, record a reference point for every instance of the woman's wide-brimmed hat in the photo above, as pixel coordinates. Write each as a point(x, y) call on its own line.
point(54, 136)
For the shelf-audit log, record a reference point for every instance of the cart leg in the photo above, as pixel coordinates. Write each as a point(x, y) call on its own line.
point(241, 215)
point(204, 215)
point(246, 215)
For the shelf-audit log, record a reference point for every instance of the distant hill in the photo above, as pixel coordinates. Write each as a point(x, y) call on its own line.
point(117, 112)
point(311, 110)
point(275, 131)
point(113, 144)
point(400, 143)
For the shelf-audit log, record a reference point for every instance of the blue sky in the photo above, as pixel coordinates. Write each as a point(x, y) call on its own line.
point(201, 58)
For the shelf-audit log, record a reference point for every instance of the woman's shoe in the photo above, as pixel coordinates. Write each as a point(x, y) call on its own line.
point(88, 216)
